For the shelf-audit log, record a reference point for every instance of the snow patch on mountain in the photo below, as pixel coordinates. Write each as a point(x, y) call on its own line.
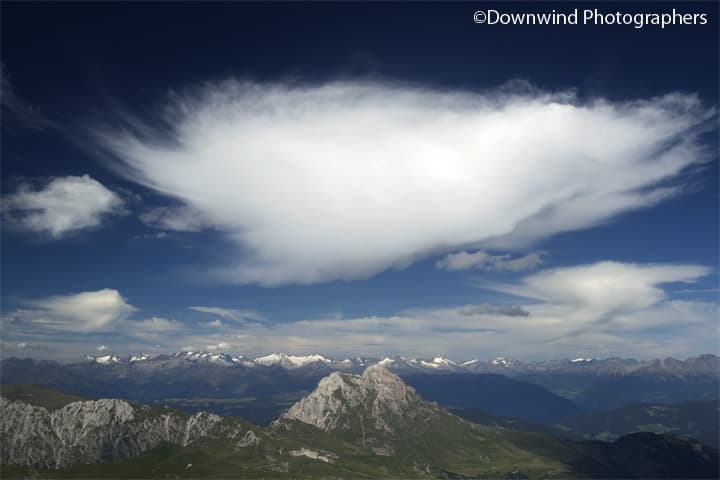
point(290, 361)
point(103, 360)
point(326, 457)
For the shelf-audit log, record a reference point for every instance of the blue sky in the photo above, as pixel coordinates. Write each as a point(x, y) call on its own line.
point(356, 179)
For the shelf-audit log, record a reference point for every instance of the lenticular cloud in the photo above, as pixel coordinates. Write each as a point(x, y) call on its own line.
point(344, 180)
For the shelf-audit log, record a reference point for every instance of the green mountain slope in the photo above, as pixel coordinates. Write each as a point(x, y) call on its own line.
point(699, 420)
point(38, 396)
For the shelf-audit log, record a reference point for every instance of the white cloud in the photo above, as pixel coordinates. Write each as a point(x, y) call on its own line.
point(79, 312)
point(179, 219)
point(102, 348)
point(231, 313)
point(344, 180)
point(63, 206)
point(214, 324)
point(153, 325)
point(602, 309)
point(605, 286)
point(485, 261)
point(485, 309)
point(598, 310)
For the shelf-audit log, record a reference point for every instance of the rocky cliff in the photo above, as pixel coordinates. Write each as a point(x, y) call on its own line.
point(98, 431)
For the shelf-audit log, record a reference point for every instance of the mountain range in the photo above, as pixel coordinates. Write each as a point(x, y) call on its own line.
point(370, 425)
point(260, 389)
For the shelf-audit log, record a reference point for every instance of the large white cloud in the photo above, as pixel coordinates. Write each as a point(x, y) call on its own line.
point(64, 205)
point(344, 180)
point(78, 312)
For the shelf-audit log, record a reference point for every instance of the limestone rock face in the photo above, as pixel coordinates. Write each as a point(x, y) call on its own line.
point(372, 409)
point(340, 397)
point(97, 431)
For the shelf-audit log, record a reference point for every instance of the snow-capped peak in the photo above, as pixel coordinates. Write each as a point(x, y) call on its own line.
point(386, 362)
point(103, 360)
point(285, 360)
point(438, 362)
point(470, 362)
point(582, 360)
point(140, 357)
point(443, 361)
point(501, 361)
point(202, 356)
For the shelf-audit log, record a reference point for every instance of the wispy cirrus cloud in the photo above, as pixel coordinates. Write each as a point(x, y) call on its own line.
point(179, 219)
point(343, 180)
point(16, 110)
point(62, 206)
point(233, 314)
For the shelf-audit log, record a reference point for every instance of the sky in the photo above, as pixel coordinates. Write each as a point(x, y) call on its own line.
point(357, 179)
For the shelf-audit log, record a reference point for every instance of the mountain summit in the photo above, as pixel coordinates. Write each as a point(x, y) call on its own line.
point(375, 410)
point(341, 399)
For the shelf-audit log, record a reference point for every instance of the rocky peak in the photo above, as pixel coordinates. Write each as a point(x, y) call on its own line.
point(342, 400)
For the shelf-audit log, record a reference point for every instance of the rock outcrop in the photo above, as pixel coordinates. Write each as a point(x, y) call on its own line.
point(341, 398)
point(98, 431)
point(374, 410)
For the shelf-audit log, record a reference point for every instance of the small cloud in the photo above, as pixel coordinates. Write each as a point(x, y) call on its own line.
point(486, 309)
point(231, 313)
point(485, 261)
point(65, 205)
point(153, 325)
point(214, 324)
point(22, 345)
point(176, 219)
point(102, 348)
point(151, 236)
point(219, 346)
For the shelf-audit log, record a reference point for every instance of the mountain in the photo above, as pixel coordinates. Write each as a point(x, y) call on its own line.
point(699, 420)
point(350, 426)
point(38, 396)
point(98, 431)
point(649, 388)
point(647, 455)
point(706, 364)
point(290, 361)
point(493, 394)
point(362, 406)
point(381, 413)
point(377, 410)
point(261, 388)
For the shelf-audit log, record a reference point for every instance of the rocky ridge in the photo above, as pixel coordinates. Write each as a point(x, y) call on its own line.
point(98, 431)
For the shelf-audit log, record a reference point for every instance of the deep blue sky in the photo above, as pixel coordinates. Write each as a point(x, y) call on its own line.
point(74, 66)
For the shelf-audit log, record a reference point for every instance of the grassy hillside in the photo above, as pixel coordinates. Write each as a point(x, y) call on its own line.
point(38, 396)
